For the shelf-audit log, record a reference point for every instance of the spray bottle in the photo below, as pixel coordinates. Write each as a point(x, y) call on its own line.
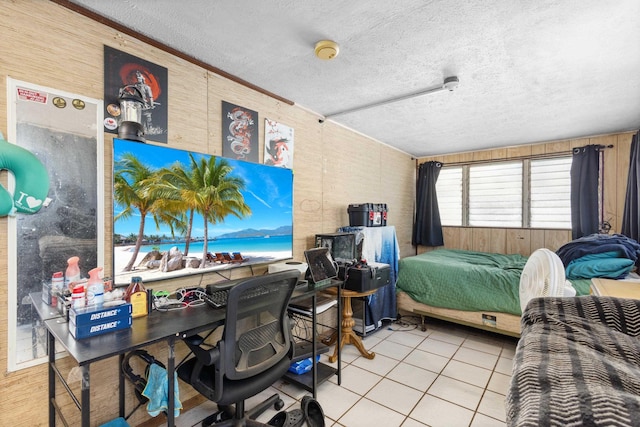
point(95, 287)
point(72, 274)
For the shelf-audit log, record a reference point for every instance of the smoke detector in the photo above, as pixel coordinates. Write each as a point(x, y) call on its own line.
point(327, 49)
point(451, 83)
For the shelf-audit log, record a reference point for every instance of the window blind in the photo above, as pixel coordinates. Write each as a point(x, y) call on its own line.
point(495, 195)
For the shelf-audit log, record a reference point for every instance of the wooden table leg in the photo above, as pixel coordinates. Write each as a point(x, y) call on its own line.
point(348, 334)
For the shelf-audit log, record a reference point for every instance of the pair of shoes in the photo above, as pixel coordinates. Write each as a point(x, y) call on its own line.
point(293, 418)
point(312, 412)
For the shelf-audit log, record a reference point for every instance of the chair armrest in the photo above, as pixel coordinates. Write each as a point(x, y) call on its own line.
point(206, 356)
point(196, 340)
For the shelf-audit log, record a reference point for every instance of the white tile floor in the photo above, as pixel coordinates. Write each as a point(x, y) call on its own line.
point(448, 376)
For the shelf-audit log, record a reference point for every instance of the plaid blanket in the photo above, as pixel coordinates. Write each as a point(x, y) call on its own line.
point(577, 364)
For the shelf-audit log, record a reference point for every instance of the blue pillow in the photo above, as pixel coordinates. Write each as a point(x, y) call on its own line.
point(599, 265)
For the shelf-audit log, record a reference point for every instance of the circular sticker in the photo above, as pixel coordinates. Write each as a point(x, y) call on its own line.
point(110, 123)
point(78, 103)
point(59, 102)
point(113, 109)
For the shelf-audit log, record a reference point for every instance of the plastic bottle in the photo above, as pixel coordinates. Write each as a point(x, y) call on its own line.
point(78, 299)
point(95, 287)
point(57, 281)
point(136, 294)
point(57, 284)
point(72, 274)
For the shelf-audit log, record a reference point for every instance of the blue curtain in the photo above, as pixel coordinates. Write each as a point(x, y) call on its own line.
point(630, 218)
point(427, 229)
point(585, 173)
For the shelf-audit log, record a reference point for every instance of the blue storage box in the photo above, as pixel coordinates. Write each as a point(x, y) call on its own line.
point(98, 313)
point(118, 422)
point(302, 366)
point(98, 328)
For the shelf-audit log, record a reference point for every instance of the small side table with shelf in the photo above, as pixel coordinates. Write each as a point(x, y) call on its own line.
point(308, 346)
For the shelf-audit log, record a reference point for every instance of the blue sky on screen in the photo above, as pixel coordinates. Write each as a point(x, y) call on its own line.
point(268, 191)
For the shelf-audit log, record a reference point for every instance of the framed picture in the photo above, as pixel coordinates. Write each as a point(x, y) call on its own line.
point(278, 144)
point(122, 69)
point(239, 133)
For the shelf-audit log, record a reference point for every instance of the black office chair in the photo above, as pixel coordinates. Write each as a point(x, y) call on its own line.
point(255, 350)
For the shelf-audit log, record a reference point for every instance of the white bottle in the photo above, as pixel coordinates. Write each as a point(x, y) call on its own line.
point(95, 287)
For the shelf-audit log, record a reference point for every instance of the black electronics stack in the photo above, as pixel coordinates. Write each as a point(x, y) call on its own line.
point(358, 274)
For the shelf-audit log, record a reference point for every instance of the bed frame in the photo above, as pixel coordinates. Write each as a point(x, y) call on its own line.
point(501, 323)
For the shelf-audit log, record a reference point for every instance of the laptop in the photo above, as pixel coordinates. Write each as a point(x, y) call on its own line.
point(322, 267)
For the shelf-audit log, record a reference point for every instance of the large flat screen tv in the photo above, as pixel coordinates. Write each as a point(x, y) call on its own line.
point(162, 196)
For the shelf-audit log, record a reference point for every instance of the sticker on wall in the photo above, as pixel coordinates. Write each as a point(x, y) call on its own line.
point(122, 69)
point(78, 104)
point(59, 102)
point(278, 144)
point(31, 95)
point(239, 133)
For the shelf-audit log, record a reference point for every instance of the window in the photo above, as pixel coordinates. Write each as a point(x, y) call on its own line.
point(522, 193)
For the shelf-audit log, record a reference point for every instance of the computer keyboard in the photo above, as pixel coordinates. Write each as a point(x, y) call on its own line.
point(221, 286)
point(217, 299)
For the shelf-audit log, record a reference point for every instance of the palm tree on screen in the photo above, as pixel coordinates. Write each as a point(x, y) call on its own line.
point(133, 181)
point(177, 189)
point(215, 193)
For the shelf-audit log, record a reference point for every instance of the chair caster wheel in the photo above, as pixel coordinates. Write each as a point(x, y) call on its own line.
point(279, 404)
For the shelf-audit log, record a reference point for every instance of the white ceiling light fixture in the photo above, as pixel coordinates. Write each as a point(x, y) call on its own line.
point(327, 49)
point(449, 83)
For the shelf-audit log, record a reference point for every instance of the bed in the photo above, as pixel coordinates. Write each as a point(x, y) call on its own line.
point(478, 289)
point(577, 363)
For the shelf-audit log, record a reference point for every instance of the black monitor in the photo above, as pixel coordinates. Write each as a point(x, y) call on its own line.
point(342, 246)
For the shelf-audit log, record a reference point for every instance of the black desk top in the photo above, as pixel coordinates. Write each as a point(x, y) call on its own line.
point(158, 326)
point(44, 310)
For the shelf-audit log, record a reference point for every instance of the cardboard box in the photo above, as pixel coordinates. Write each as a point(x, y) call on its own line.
point(99, 328)
point(98, 313)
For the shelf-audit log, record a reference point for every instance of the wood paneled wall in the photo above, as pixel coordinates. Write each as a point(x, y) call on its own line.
point(48, 45)
point(525, 241)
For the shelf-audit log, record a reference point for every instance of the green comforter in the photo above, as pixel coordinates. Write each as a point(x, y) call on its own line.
point(467, 280)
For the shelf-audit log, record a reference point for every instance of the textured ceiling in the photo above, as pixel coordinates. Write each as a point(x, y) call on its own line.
point(529, 71)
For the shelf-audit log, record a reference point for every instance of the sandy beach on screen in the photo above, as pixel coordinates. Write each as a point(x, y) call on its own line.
point(122, 255)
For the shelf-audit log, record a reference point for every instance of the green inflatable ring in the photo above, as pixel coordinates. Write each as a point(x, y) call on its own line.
point(32, 180)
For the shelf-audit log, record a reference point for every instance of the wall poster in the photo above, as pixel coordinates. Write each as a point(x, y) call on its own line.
point(122, 69)
point(63, 131)
point(278, 144)
point(239, 133)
